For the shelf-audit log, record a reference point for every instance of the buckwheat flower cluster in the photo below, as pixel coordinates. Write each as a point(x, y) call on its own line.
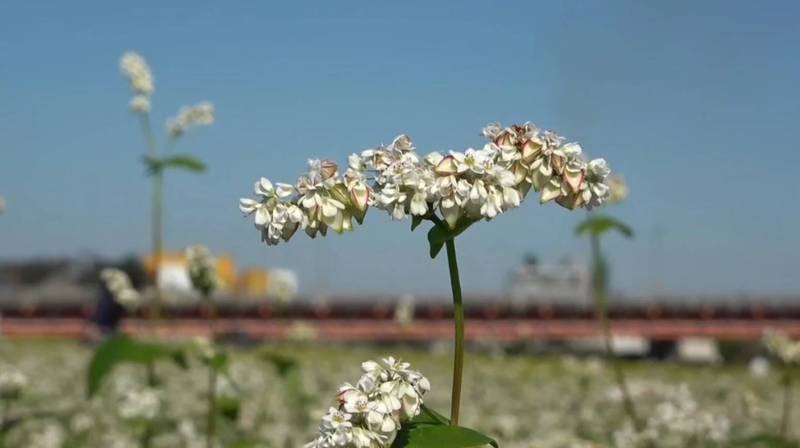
point(201, 114)
point(139, 403)
point(474, 184)
point(119, 284)
point(12, 382)
point(135, 68)
point(370, 413)
point(783, 348)
point(202, 269)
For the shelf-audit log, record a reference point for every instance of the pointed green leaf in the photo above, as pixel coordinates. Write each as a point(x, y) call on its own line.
point(120, 349)
point(184, 162)
point(601, 224)
point(416, 221)
point(442, 436)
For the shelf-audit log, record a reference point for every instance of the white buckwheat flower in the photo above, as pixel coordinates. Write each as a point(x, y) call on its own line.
point(783, 348)
point(120, 287)
point(371, 412)
point(468, 186)
point(202, 268)
point(135, 68)
point(201, 114)
point(12, 382)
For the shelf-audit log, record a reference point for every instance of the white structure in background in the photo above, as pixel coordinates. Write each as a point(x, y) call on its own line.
point(173, 278)
point(567, 283)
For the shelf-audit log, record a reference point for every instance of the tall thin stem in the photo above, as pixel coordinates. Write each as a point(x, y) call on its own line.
point(211, 416)
point(458, 318)
point(786, 413)
point(156, 217)
point(601, 312)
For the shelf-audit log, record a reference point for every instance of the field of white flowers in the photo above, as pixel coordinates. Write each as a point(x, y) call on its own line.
point(276, 395)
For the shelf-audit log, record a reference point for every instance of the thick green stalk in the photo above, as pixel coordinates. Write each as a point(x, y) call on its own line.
point(458, 318)
point(601, 312)
point(786, 413)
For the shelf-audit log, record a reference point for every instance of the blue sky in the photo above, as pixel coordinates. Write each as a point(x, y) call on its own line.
point(696, 103)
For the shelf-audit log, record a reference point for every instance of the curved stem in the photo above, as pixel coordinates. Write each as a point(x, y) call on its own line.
point(458, 318)
point(601, 311)
point(787, 404)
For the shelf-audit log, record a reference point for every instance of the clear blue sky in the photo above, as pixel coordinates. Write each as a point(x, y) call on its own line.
point(696, 103)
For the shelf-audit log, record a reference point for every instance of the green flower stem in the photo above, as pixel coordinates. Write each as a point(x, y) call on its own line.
point(786, 413)
point(211, 417)
point(458, 318)
point(156, 223)
point(601, 311)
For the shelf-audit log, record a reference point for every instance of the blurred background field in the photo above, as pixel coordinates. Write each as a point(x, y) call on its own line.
point(523, 400)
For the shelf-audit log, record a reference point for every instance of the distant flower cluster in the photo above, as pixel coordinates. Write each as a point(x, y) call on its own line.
point(201, 114)
point(202, 269)
point(471, 185)
point(135, 68)
point(120, 287)
point(138, 403)
point(12, 382)
point(677, 420)
point(783, 348)
point(370, 413)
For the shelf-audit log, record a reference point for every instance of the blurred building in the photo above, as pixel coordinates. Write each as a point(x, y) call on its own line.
point(566, 284)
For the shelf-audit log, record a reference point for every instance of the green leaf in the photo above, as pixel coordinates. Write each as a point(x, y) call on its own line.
point(184, 162)
point(283, 364)
point(441, 436)
point(428, 416)
point(416, 220)
point(601, 224)
point(440, 233)
point(120, 349)
point(219, 362)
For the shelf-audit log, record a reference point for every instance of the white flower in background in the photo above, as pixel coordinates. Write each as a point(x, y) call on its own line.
point(758, 367)
point(139, 403)
point(473, 185)
point(50, 436)
point(370, 413)
point(782, 347)
point(140, 104)
point(119, 284)
point(618, 189)
point(12, 383)
point(282, 285)
point(135, 68)
point(202, 268)
point(201, 114)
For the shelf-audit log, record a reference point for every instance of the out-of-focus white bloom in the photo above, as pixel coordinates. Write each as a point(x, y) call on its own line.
point(388, 394)
point(677, 420)
point(51, 436)
point(135, 68)
point(204, 348)
point(780, 346)
point(404, 311)
point(140, 104)
point(468, 186)
point(202, 269)
point(12, 382)
point(759, 367)
point(139, 403)
point(282, 285)
point(618, 189)
point(201, 114)
point(301, 331)
point(119, 284)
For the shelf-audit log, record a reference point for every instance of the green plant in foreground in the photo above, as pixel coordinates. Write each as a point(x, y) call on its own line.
point(142, 83)
point(453, 191)
point(787, 352)
point(595, 226)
